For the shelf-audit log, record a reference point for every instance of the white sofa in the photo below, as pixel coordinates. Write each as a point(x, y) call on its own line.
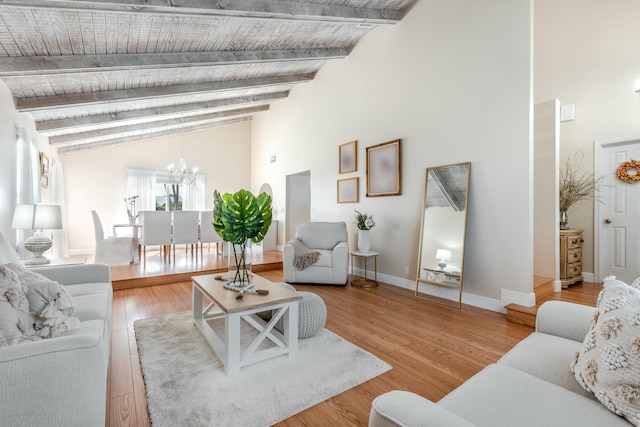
point(531, 385)
point(330, 239)
point(62, 381)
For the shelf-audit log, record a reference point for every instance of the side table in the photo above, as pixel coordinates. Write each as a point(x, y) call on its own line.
point(363, 281)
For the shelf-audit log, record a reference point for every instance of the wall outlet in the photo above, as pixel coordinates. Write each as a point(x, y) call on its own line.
point(406, 269)
point(272, 159)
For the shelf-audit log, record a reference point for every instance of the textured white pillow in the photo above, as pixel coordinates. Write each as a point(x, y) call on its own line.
point(608, 365)
point(16, 323)
point(7, 254)
point(48, 300)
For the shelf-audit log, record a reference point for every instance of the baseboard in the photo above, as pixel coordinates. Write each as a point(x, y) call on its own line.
point(588, 277)
point(74, 252)
point(508, 296)
point(438, 291)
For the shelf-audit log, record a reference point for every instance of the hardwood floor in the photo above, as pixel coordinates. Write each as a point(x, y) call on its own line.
point(432, 348)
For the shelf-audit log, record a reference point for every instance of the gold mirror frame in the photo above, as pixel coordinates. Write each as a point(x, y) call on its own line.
point(443, 229)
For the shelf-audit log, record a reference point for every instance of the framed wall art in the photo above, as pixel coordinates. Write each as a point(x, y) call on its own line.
point(348, 157)
point(348, 190)
point(383, 169)
point(44, 170)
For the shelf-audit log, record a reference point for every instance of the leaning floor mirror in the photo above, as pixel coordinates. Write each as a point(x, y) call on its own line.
point(442, 234)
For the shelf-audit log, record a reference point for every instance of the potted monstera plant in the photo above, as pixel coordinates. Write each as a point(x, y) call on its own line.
point(241, 218)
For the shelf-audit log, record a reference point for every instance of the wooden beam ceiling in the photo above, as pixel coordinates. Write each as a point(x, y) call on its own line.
point(94, 73)
point(265, 9)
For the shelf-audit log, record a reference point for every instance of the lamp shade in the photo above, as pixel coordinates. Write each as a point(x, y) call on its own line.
point(443, 254)
point(37, 217)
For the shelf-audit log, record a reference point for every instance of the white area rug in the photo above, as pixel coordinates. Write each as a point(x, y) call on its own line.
point(186, 384)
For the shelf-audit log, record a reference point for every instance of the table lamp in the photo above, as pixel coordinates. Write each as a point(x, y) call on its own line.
point(443, 255)
point(37, 217)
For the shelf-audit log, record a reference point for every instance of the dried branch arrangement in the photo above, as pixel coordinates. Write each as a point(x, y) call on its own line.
point(576, 185)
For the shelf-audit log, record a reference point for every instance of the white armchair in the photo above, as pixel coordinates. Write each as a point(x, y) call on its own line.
point(330, 239)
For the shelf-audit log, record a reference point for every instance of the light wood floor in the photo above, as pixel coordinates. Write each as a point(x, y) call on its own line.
point(432, 348)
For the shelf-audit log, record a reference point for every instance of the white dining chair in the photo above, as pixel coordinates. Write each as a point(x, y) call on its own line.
point(156, 231)
point(185, 230)
point(208, 234)
point(111, 249)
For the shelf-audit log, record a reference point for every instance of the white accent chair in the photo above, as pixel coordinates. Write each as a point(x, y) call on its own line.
point(208, 233)
point(330, 239)
point(111, 249)
point(185, 230)
point(156, 230)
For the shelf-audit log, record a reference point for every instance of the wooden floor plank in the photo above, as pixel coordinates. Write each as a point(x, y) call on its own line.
point(432, 348)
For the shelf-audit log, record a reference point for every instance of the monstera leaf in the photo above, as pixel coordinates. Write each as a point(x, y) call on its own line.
point(241, 216)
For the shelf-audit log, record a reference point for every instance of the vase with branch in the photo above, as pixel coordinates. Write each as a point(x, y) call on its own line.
point(576, 185)
point(240, 219)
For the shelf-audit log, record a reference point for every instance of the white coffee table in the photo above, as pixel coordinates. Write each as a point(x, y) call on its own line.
point(224, 305)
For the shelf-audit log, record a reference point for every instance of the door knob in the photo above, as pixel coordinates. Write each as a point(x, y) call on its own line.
point(607, 221)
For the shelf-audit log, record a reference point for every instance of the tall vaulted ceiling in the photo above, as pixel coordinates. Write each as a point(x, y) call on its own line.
point(96, 73)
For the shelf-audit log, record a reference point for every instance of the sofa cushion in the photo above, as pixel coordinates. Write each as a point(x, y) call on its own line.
point(91, 307)
point(16, 322)
point(88, 289)
point(503, 396)
point(48, 300)
point(608, 364)
point(547, 357)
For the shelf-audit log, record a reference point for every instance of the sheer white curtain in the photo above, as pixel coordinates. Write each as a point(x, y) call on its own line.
point(143, 184)
point(194, 195)
point(60, 248)
point(28, 177)
point(28, 168)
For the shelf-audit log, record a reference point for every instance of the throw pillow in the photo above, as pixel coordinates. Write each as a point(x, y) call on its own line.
point(48, 300)
point(16, 323)
point(608, 365)
point(7, 254)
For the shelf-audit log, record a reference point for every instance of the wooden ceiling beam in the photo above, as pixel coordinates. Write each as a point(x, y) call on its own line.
point(100, 121)
point(46, 65)
point(156, 134)
point(174, 124)
point(265, 9)
point(132, 95)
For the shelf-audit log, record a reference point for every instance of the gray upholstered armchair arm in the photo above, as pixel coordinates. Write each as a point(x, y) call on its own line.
point(405, 409)
point(340, 262)
point(564, 319)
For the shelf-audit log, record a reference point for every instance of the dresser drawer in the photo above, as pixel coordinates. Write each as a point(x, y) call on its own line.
point(574, 255)
point(570, 270)
point(574, 241)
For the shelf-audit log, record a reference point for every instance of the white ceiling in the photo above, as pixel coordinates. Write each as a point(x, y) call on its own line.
point(95, 73)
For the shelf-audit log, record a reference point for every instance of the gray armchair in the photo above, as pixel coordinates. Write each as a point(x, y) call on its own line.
point(330, 240)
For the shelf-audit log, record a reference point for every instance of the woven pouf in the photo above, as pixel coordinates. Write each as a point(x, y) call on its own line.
point(312, 313)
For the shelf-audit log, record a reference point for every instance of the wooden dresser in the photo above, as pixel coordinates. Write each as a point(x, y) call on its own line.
point(570, 257)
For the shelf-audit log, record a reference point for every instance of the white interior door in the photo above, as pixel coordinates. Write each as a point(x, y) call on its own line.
point(618, 217)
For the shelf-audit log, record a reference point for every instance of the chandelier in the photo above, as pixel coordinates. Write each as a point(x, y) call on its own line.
point(181, 175)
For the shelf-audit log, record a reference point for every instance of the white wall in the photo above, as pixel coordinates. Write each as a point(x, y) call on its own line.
point(96, 178)
point(586, 53)
point(452, 80)
point(11, 121)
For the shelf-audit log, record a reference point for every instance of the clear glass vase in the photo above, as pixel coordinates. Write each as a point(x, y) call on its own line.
point(240, 264)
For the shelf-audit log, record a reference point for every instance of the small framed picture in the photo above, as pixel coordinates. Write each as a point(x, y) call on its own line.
point(383, 169)
point(348, 190)
point(44, 170)
point(348, 157)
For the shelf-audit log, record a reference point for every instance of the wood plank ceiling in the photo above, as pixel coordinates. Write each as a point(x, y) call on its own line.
point(96, 73)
